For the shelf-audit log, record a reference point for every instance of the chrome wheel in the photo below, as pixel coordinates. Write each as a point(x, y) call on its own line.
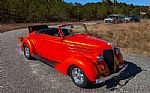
point(77, 75)
point(27, 51)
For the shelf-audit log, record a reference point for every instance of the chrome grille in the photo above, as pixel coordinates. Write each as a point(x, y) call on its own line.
point(109, 59)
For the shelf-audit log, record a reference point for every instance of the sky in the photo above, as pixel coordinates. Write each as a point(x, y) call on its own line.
point(135, 2)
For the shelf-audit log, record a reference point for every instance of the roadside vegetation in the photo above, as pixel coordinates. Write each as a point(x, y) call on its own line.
point(131, 37)
point(20, 11)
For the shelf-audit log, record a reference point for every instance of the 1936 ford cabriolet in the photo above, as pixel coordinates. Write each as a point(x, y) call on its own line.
point(72, 51)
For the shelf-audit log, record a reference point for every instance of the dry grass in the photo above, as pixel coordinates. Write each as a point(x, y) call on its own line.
point(13, 26)
point(8, 27)
point(132, 37)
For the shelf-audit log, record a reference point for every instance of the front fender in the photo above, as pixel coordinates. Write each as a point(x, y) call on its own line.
point(85, 64)
point(119, 59)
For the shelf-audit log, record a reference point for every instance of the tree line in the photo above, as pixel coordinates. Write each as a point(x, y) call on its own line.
point(57, 10)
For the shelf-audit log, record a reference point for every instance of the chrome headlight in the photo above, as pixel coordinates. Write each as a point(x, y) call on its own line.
point(117, 50)
point(100, 58)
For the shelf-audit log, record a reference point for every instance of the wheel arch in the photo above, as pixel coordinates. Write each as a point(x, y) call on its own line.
point(30, 45)
point(69, 68)
point(85, 64)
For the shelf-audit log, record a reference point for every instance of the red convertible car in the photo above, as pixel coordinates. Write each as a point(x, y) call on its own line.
point(70, 49)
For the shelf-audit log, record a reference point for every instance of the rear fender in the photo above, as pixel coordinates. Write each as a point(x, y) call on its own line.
point(85, 64)
point(30, 43)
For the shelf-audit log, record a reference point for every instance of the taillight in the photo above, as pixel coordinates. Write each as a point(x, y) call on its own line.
point(20, 39)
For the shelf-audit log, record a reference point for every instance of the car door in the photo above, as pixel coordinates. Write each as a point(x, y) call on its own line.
point(52, 45)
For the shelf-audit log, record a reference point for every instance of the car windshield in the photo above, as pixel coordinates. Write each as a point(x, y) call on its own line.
point(111, 16)
point(73, 29)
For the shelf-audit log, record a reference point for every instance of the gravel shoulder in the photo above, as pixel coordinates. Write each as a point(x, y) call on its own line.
point(19, 75)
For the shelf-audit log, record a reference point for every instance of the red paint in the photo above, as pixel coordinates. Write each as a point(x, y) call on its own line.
point(80, 50)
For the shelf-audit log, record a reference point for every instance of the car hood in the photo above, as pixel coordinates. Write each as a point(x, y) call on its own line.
point(87, 40)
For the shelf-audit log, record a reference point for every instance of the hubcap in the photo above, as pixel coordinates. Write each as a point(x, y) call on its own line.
point(78, 75)
point(27, 51)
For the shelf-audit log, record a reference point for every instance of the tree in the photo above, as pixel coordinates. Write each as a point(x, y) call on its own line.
point(108, 2)
point(57, 10)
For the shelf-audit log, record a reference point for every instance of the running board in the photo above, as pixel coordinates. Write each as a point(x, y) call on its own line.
point(46, 61)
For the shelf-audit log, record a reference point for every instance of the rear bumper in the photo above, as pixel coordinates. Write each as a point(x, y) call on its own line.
point(103, 79)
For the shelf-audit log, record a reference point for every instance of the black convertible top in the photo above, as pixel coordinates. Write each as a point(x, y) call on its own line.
point(37, 28)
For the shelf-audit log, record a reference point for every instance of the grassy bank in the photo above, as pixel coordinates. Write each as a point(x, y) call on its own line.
point(131, 37)
point(13, 26)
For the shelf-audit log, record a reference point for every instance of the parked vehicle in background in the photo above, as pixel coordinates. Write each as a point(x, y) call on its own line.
point(114, 18)
point(132, 18)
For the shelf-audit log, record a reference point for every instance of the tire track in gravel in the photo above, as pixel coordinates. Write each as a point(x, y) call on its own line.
point(32, 76)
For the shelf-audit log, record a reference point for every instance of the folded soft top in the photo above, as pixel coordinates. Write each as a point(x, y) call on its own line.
point(37, 27)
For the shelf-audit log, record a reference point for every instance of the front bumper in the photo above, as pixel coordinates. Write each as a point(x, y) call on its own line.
point(103, 79)
point(107, 21)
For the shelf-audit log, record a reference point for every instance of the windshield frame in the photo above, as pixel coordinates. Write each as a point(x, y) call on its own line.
point(80, 24)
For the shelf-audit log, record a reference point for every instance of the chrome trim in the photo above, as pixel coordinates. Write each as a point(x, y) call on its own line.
point(103, 79)
point(27, 51)
point(78, 75)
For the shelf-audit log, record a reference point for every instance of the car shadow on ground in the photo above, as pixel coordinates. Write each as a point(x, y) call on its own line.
point(129, 73)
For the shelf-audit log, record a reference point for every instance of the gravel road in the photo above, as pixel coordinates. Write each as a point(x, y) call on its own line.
point(19, 75)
